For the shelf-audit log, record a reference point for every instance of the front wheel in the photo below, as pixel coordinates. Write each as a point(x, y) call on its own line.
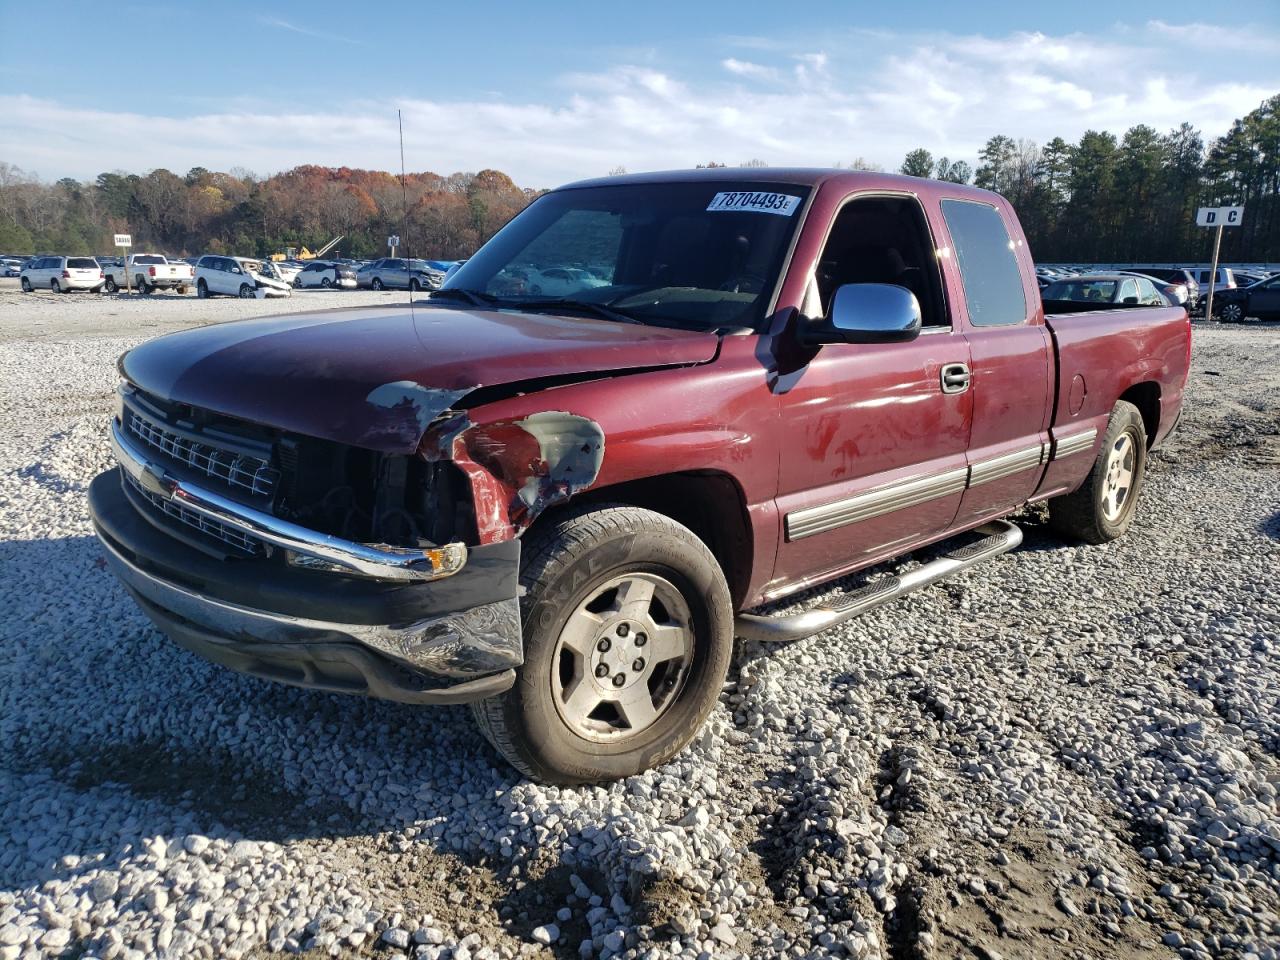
point(414, 285)
point(110, 285)
point(26, 285)
point(1102, 509)
point(1231, 313)
point(326, 282)
point(246, 292)
point(202, 289)
point(628, 630)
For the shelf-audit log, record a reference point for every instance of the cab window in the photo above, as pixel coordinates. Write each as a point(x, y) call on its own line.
point(988, 268)
point(880, 240)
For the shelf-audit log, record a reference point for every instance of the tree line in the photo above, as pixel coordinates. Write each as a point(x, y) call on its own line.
point(1104, 198)
point(438, 217)
point(1134, 198)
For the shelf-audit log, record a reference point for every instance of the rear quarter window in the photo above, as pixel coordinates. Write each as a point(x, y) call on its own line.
point(988, 268)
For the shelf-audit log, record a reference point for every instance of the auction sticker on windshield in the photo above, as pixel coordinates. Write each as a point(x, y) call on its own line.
point(755, 202)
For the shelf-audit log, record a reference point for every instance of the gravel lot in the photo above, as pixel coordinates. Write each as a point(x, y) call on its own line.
point(1069, 752)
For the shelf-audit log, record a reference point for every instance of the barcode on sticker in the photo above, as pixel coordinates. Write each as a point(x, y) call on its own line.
point(755, 202)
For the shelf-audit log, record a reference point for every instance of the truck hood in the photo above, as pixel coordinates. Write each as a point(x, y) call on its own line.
point(377, 377)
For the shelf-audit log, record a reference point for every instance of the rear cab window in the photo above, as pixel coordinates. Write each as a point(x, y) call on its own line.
point(989, 269)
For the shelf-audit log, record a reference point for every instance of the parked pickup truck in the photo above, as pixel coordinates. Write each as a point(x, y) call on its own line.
point(149, 272)
point(561, 509)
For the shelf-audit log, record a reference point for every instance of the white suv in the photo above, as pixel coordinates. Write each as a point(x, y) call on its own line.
point(235, 277)
point(62, 274)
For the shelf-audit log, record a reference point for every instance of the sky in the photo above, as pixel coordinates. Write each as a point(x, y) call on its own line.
point(551, 93)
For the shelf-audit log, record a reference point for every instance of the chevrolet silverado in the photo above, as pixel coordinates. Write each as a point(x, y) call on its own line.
point(561, 509)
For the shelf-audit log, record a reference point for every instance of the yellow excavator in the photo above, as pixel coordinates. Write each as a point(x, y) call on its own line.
point(302, 253)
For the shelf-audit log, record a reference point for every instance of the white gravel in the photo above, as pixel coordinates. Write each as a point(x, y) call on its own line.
point(1070, 752)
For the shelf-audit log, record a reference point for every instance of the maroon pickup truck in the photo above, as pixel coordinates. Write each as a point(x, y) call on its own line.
point(557, 487)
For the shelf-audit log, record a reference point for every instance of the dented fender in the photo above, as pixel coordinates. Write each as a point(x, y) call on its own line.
point(517, 468)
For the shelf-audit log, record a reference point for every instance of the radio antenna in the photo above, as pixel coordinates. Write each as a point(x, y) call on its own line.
point(404, 211)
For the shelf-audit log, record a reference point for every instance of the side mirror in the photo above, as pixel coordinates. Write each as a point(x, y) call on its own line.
point(235, 270)
point(1129, 300)
point(867, 313)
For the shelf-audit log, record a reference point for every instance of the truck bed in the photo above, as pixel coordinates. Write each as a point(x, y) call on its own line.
point(1104, 354)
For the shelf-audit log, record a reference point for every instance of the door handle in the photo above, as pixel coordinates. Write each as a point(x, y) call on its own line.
point(955, 377)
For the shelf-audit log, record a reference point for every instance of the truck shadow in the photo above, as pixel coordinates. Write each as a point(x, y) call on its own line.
point(120, 731)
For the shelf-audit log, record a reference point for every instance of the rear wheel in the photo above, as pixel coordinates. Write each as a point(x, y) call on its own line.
point(1231, 313)
point(628, 636)
point(1103, 508)
point(110, 285)
point(55, 286)
point(376, 284)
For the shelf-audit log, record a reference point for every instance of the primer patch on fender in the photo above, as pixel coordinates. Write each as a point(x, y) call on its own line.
point(421, 403)
point(572, 448)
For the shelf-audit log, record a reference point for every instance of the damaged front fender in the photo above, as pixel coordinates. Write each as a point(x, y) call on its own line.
point(518, 468)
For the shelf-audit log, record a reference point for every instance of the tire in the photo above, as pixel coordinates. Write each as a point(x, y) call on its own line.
point(1103, 508)
point(326, 282)
point(246, 292)
point(376, 284)
point(604, 554)
point(1231, 313)
point(110, 285)
point(56, 287)
point(181, 289)
point(414, 285)
point(26, 284)
point(202, 289)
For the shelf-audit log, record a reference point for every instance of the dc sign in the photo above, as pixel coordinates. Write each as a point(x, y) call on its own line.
point(1219, 216)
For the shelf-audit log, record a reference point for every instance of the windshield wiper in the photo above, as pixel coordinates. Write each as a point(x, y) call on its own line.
point(564, 303)
point(472, 297)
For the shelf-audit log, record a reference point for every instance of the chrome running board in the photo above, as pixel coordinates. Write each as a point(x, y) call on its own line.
point(999, 536)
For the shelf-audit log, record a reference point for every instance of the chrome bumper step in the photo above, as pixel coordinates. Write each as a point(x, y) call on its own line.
point(999, 536)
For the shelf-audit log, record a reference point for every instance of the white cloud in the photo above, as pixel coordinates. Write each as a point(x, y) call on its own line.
point(863, 94)
point(745, 68)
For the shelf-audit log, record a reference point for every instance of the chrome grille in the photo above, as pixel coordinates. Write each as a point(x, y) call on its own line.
point(237, 469)
point(251, 546)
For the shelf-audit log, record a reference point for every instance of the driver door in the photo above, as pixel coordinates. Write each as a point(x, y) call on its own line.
point(875, 438)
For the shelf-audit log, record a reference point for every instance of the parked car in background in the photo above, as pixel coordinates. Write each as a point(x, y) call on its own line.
point(398, 273)
point(1104, 288)
point(563, 511)
point(562, 281)
point(1261, 300)
point(1247, 279)
point(1177, 275)
point(321, 273)
point(62, 274)
point(11, 267)
point(1226, 279)
point(286, 269)
point(1176, 293)
point(236, 277)
point(149, 272)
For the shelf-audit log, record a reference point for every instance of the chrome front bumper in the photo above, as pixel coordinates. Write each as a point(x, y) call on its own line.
point(451, 641)
point(322, 550)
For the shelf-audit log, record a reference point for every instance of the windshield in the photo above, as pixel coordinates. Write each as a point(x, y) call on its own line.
point(698, 255)
point(1083, 290)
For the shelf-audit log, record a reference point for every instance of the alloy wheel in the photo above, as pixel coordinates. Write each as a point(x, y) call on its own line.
point(622, 657)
